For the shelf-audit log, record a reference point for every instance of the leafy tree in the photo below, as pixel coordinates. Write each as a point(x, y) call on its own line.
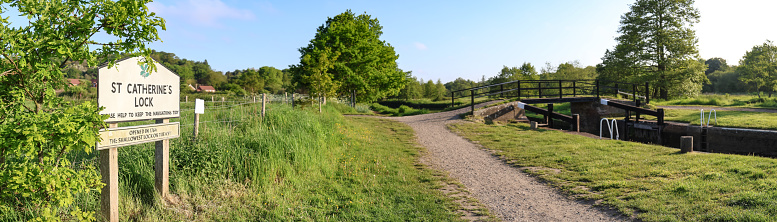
point(528, 72)
point(657, 45)
point(359, 59)
point(459, 84)
point(37, 129)
point(759, 67)
point(715, 64)
point(725, 81)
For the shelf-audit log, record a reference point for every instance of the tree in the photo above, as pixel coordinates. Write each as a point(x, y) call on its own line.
point(38, 129)
point(528, 72)
point(359, 59)
point(657, 45)
point(759, 67)
point(715, 64)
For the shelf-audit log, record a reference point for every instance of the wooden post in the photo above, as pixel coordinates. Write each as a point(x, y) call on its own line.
point(502, 91)
point(638, 105)
point(560, 90)
point(285, 97)
point(574, 89)
point(539, 89)
point(109, 170)
point(472, 101)
point(549, 117)
point(647, 93)
point(264, 100)
point(519, 89)
point(453, 101)
point(634, 92)
point(196, 126)
point(533, 125)
point(597, 89)
point(254, 99)
point(660, 117)
point(212, 99)
point(162, 164)
point(187, 99)
point(576, 122)
point(292, 100)
point(686, 144)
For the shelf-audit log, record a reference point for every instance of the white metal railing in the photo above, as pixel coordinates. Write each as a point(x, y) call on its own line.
point(610, 127)
point(701, 120)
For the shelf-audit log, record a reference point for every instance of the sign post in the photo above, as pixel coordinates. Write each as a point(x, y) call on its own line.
point(131, 92)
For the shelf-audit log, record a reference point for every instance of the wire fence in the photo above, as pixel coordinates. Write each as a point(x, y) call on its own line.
point(218, 110)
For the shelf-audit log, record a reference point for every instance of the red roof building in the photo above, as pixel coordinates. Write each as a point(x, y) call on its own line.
point(74, 82)
point(205, 89)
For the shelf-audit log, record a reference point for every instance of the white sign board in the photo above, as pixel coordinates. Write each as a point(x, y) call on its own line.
point(129, 92)
point(125, 136)
point(199, 106)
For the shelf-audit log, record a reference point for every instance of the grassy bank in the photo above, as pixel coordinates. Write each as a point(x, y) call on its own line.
point(648, 182)
point(291, 165)
point(724, 100)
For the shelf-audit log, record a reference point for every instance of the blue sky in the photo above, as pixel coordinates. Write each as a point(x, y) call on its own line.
point(442, 39)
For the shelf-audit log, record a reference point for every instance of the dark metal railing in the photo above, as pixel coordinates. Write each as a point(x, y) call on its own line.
point(555, 89)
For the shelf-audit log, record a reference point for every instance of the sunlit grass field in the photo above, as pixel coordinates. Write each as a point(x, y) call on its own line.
point(291, 165)
point(647, 182)
point(724, 100)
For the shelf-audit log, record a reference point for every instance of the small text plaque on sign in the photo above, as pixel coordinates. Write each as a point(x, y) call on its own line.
point(125, 136)
point(131, 92)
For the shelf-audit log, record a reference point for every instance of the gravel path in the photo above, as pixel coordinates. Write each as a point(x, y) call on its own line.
point(707, 108)
point(509, 193)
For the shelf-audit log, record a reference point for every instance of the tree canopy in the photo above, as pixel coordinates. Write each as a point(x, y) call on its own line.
point(37, 128)
point(347, 54)
point(759, 67)
point(657, 45)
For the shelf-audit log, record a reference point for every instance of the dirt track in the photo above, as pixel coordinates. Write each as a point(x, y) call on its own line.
point(507, 192)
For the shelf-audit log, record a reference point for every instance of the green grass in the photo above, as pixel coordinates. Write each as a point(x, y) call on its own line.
point(648, 182)
point(406, 107)
point(735, 119)
point(292, 165)
point(721, 101)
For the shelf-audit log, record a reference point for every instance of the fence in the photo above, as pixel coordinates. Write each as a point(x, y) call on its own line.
point(555, 89)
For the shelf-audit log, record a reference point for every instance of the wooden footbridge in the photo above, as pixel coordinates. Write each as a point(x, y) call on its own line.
point(550, 92)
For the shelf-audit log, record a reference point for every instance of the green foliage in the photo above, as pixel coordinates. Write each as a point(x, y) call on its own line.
point(669, 60)
point(347, 51)
point(758, 68)
point(38, 129)
point(715, 64)
point(402, 110)
point(725, 81)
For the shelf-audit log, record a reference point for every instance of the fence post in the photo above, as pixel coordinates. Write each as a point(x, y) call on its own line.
point(264, 100)
point(597, 89)
point(162, 164)
point(560, 90)
point(660, 117)
point(453, 101)
point(574, 89)
point(212, 99)
point(292, 100)
point(109, 170)
point(647, 93)
point(472, 101)
point(285, 97)
point(187, 99)
point(502, 91)
point(549, 118)
point(196, 125)
point(539, 88)
point(576, 122)
point(634, 92)
point(519, 89)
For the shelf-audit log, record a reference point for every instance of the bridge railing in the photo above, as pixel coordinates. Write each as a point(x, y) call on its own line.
point(554, 89)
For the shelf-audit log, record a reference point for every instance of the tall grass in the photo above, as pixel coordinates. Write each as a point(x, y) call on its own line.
point(291, 165)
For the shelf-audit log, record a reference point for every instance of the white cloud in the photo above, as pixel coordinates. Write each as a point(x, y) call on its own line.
point(200, 12)
point(420, 46)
